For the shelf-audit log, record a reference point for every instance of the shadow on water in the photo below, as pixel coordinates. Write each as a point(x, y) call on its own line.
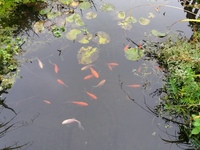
point(113, 104)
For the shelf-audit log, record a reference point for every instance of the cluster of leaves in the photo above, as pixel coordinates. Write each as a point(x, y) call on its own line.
point(181, 101)
point(10, 47)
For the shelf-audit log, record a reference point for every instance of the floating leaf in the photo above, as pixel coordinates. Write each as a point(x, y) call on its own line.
point(85, 5)
point(84, 38)
point(125, 25)
point(107, 7)
point(90, 15)
point(101, 38)
point(51, 15)
point(87, 55)
point(158, 34)
point(121, 15)
point(79, 22)
point(134, 54)
point(72, 34)
point(38, 26)
point(144, 21)
point(151, 15)
point(66, 2)
point(130, 19)
point(74, 4)
point(44, 11)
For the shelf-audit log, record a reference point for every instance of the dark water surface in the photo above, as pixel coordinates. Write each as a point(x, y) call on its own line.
point(112, 122)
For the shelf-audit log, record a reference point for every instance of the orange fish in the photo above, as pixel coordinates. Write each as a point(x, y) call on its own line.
point(134, 85)
point(79, 103)
point(40, 63)
point(91, 95)
point(111, 65)
point(62, 83)
point(56, 69)
point(47, 102)
point(126, 47)
point(86, 67)
point(88, 77)
point(100, 83)
point(96, 75)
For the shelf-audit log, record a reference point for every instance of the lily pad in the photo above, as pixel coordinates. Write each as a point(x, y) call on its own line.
point(121, 14)
point(72, 34)
point(158, 34)
point(151, 15)
point(134, 54)
point(38, 26)
point(130, 19)
point(101, 38)
point(87, 55)
point(51, 15)
point(107, 7)
point(79, 22)
point(85, 5)
point(125, 25)
point(66, 2)
point(90, 15)
point(84, 38)
point(75, 18)
point(144, 21)
point(44, 11)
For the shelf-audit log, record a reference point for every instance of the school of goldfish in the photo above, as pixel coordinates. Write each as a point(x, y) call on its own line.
point(93, 74)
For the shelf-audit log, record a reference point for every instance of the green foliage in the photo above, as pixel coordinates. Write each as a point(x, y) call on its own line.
point(10, 47)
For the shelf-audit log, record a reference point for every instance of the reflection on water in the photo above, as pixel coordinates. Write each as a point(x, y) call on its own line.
point(57, 87)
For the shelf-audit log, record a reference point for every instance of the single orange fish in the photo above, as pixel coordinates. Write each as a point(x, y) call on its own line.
point(62, 83)
point(111, 65)
point(56, 69)
point(126, 47)
point(40, 63)
point(47, 102)
point(96, 75)
point(86, 67)
point(91, 95)
point(134, 85)
point(79, 103)
point(88, 77)
point(100, 83)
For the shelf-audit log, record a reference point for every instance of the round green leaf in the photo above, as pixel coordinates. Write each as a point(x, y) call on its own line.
point(84, 38)
point(90, 15)
point(101, 38)
point(144, 21)
point(107, 7)
point(66, 2)
point(51, 15)
point(158, 34)
point(79, 22)
point(87, 55)
point(130, 19)
point(134, 54)
point(121, 14)
point(44, 11)
point(125, 25)
point(72, 34)
point(85, 5)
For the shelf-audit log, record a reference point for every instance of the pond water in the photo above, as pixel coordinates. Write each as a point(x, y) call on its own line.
point(111, 121)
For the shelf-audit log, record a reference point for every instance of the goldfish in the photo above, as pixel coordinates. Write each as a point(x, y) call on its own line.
point(79, 103)
point(88, 77)
point(40, 63)
point(100, 83)
point(91, 95)
point(61, 82)
point(96, 75)
point(134, 85)
point(56, 69)
point(111, 65)
point(126, 47)
point(86, 67)
point(47, 102)
point(68, 121)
